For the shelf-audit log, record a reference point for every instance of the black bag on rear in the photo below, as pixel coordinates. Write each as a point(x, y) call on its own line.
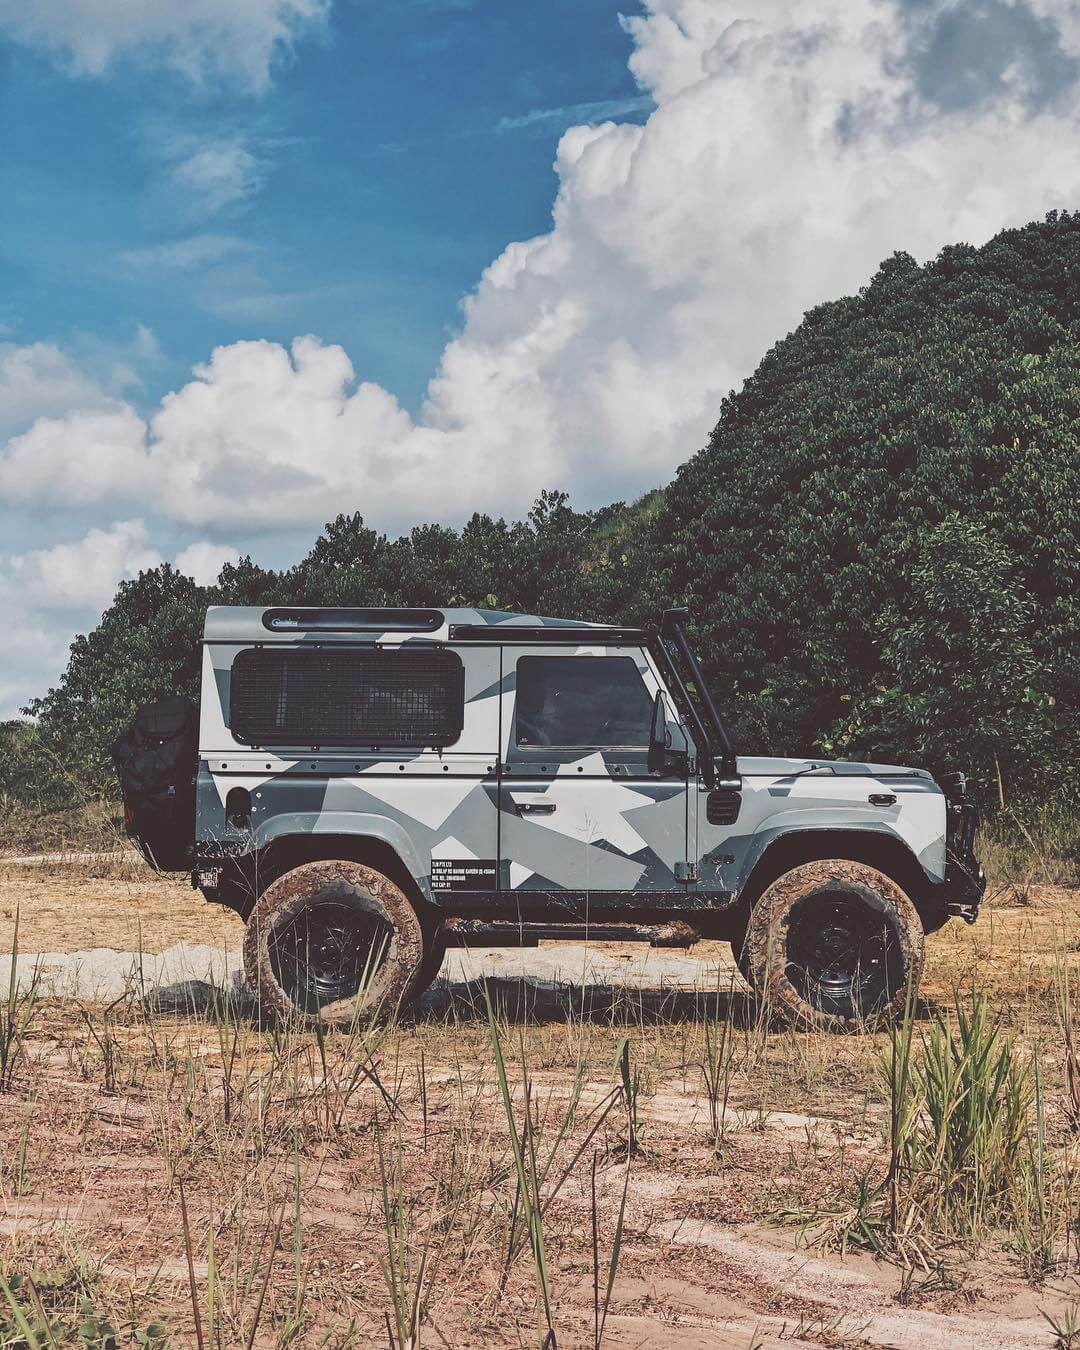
point(156, 759)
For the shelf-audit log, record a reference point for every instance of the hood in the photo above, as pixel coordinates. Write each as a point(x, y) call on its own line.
point(770, 766)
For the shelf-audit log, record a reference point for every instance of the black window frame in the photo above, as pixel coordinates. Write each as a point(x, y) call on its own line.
point(623, 747)
point(447, 736)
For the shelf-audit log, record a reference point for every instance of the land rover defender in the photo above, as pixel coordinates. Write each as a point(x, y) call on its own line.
point(369, 786)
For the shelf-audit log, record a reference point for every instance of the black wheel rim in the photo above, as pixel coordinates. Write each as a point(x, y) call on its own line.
point(843, 955)
point(328, 952)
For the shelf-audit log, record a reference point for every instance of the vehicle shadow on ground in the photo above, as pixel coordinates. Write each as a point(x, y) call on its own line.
point(515, 999)
point(520, 999)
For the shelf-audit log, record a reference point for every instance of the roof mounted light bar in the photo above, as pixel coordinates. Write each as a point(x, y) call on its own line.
point(352, 620)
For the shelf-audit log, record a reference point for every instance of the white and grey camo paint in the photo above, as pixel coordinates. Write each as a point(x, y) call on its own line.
point(615, 827)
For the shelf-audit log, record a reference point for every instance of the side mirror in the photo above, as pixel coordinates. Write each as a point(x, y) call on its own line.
point(662, 759)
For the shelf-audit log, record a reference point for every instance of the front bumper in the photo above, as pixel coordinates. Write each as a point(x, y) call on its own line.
point(965, 882)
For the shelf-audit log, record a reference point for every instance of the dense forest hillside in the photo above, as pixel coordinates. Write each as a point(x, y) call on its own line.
point(883, 535)
point(880, 544)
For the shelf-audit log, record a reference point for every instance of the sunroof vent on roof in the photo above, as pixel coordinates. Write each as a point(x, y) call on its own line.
point(353, 620)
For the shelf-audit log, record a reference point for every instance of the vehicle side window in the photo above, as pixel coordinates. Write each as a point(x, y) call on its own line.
point(412, 697)
point(581, 703)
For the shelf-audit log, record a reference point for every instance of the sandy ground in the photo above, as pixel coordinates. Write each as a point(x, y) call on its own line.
point(61, 909)
point(97, 938)
point(699, 1267)
point(186, 972)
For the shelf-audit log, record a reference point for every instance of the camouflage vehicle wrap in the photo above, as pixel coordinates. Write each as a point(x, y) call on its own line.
point(497, 819)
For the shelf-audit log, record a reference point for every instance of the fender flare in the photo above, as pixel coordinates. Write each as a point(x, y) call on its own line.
point(362, 825)
point(915, 876)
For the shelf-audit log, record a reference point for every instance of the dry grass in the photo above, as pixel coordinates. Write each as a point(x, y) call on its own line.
point(1029, 845)
point(92, 827)
point(625, 1175)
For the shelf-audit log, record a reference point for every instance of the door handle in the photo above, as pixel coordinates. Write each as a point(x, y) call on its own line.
point(535, 808)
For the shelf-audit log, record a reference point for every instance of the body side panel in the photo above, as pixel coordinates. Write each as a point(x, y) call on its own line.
point(775, 806)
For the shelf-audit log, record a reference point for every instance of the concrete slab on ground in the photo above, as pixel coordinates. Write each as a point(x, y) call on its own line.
point(101, 974)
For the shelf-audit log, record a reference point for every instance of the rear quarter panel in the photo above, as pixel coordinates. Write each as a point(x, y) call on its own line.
point(424, 803)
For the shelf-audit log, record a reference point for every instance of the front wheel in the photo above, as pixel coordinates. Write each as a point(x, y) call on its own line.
point(834, 946)
point(333, 942)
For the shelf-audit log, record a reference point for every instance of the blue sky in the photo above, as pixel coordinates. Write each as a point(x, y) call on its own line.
point(263, 261)
point(392, 158)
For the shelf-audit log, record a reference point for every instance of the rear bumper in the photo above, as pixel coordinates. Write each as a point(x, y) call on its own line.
point(965, 882)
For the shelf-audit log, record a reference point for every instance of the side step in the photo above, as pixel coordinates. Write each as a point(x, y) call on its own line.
point(508, 933)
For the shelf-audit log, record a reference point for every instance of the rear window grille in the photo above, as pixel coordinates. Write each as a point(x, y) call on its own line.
point(364, 698)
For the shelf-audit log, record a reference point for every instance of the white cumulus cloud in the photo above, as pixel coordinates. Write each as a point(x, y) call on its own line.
point(200, 38)
point(204, 560)
point(791, 149)
point(46, 593)
point(40, 380)
point(39, 465)
point(83, 574)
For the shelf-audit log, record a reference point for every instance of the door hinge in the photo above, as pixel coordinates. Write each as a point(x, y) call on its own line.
point(686, 871)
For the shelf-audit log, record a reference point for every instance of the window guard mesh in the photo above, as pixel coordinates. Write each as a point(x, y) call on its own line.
point(404, 697)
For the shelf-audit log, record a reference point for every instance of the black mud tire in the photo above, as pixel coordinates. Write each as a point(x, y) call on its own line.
point(430, 964)
point(834, 946)
point(742, 959)
point(333, 942)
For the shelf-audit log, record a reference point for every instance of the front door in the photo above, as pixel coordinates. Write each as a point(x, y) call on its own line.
point(579, 810)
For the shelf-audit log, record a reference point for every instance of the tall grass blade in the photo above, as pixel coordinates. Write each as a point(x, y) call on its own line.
point(525, 1172)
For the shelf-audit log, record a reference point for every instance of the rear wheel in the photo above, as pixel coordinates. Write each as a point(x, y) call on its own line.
point(430, 964)
point(333, 942)
point(833, 945)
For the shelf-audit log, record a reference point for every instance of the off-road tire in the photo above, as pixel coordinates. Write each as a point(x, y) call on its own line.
point(742, 958)
point(430, 964)
point(781, 919)
point(350, 886)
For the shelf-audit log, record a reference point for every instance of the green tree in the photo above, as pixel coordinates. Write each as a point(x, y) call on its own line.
point(964, 642)
point(802, 534)
point(145, 646)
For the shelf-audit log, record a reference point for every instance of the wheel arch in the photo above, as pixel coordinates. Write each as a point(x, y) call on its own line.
point(252, 873)
point(876, 848)
point(369, 830)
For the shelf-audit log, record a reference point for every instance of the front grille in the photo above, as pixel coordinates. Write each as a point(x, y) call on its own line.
point(409, 698)
point(964, 878)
